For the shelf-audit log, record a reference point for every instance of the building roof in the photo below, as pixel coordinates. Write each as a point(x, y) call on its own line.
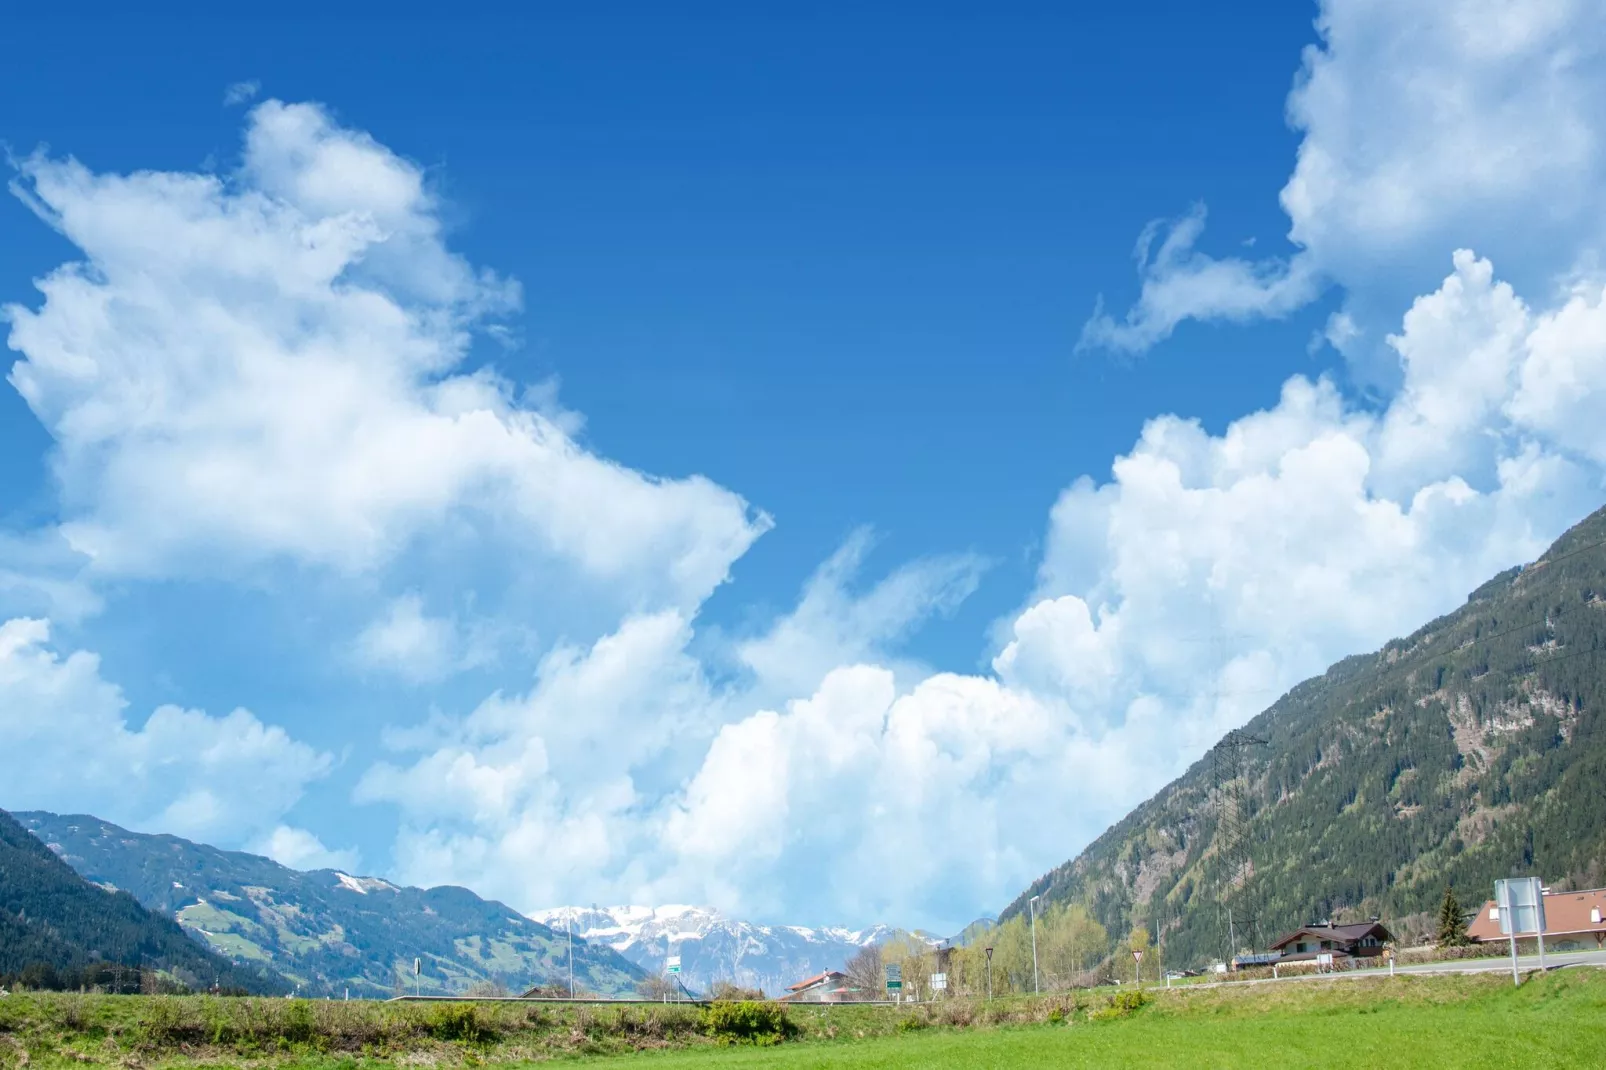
point(817, 979)
point(1565, 912)
point(1338, 934)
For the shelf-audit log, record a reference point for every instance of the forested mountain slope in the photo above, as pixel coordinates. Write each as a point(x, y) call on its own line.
point(55, 923)
point(325, 930)
point(1471, 750)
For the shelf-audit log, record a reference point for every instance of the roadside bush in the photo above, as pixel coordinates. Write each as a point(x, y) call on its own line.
point(747, 1022)
point(462, 1022)
point(1121, 1005)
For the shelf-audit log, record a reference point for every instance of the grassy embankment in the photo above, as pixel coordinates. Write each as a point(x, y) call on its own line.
point(1553, 1021)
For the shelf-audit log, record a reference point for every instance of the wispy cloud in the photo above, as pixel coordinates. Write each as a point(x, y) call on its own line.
point(241, 93)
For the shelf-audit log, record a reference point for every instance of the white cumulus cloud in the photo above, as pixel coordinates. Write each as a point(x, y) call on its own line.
point(300, 849)
point(70, 748)
point(1425, 127)
point(271, 366)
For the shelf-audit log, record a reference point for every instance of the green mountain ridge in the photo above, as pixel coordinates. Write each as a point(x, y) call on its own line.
point(50, 917)
point(324, 930)
point(1471, 750)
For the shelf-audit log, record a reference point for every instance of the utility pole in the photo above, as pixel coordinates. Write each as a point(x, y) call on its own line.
point(1036, 988)
point(568, 924)
point(1230, 773)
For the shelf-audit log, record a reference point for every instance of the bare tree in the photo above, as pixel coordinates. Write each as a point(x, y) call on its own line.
point(864, 970)
point(734, 991)
point(659, 988)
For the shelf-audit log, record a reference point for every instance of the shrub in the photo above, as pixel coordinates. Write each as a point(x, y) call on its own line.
point(747, 1022)
point(461, 1021)
point(1122, 1004)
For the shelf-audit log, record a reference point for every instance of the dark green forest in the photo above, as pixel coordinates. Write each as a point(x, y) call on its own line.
point(57, 930)
point(1471, 750)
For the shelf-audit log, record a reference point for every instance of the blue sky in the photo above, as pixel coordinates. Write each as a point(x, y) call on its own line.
point(766, 549)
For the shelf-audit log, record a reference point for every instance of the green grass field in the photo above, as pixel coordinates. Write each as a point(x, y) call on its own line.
point(1557, 1020)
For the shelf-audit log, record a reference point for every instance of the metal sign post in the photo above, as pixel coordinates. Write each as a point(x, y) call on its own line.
point(1137, 968)
point(989, 972)
point(418, 966)
point(1521, 901)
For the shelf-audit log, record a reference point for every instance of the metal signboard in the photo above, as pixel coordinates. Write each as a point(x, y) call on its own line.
point(1137, 956)
point(672, 963)
point(894, 978)
point(1324, 958)
point(939, 982)
point(1522, 905)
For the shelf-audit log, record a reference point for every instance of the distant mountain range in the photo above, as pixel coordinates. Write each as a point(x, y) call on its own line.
point(713, 947)
point(56, 928)
point(1470, 750)
point(327, 931)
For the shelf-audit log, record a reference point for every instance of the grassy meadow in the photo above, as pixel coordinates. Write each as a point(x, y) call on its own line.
point(1557, 1020)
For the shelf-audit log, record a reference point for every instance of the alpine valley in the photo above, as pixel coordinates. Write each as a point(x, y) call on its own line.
point(328, 932)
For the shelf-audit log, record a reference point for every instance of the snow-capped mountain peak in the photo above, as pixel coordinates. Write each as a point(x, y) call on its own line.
point(713, 947)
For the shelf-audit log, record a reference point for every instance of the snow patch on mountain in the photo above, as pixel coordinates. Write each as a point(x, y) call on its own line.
point(360, 885)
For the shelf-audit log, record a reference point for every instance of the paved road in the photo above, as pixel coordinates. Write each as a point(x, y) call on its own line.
point(1553, 960)
point(1525, 964)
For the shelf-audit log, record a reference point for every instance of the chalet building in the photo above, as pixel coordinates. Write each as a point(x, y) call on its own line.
point(828, 987)
point(1572, 921)
point(1358, 941)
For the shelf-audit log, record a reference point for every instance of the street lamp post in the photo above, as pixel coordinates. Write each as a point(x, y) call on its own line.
point(1036, 987)
point(989, 972)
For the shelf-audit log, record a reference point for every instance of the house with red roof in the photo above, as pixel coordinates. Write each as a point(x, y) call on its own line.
point(1356, 941)
point(1572, 921)
point(831, 986)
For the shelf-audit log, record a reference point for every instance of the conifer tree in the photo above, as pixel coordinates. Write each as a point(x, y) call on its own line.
point(1452, 923)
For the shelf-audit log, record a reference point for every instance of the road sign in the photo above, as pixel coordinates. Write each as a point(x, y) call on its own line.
point(939, 981)
point(672, 963)
point(1522, 905)
point(1324, 958)
point(418, 964)
point(1137, 956)
point(894, 978)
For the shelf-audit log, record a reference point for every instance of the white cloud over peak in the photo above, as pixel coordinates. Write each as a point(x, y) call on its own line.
point(71, 749)
point(271, 367)
point(300, 849)
point(1425, 127)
